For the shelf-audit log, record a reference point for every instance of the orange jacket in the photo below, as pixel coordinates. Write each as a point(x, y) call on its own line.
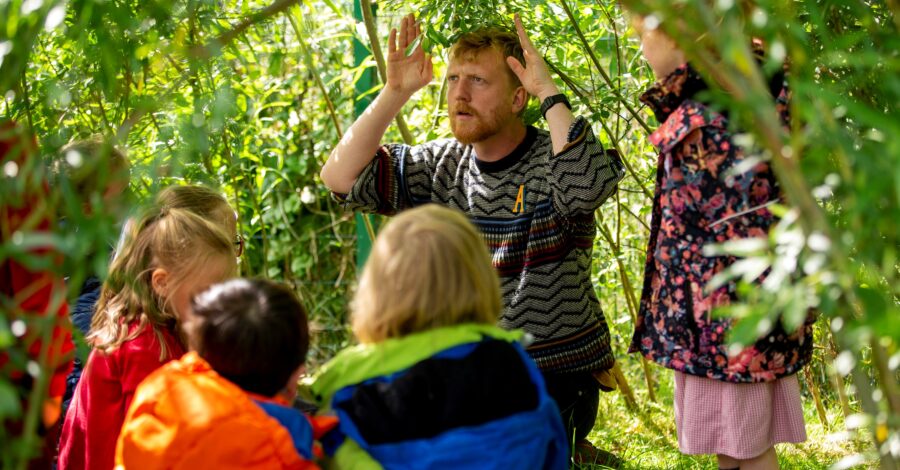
point(186, 416)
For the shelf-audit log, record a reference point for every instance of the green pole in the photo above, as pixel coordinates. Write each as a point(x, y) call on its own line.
point(364, 84)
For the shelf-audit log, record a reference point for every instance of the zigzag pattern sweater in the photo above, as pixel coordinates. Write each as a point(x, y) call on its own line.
point(536, 212)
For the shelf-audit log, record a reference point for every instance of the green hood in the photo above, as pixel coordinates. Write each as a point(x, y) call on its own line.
point(365, 361)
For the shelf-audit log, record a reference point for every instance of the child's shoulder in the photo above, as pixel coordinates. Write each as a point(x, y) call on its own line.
point(189, 383)
point(146, 339)
point(184, 411)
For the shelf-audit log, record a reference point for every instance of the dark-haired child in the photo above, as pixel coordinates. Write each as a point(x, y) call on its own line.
point(224, 405)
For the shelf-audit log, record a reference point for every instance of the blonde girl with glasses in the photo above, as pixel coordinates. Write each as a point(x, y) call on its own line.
point(200, 200)
point(168, 254)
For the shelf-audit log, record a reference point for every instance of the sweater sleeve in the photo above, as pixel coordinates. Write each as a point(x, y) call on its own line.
point(583, 175)
point(399, 177)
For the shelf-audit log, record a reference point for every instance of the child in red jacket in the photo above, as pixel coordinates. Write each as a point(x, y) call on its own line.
point(169, 255)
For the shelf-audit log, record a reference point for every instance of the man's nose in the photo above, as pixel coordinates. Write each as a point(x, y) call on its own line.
point(461, 92)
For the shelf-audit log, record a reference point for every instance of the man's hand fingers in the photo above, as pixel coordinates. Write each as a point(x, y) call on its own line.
point(402, 41)
point(428, 67)
point(392, 41)
point(516, 67)
point(527, 46)
point(411, 31)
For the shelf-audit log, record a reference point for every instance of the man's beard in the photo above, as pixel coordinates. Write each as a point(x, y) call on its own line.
point(478, 128)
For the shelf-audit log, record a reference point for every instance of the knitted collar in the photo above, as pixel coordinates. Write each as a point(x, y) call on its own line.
point(664, 96)
point(513, 157)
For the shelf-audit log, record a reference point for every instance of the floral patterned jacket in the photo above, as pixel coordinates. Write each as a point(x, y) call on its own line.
point(697, 201)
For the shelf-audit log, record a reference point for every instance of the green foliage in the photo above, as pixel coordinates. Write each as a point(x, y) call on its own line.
point(250, 98)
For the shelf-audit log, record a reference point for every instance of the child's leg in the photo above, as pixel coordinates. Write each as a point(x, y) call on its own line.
point(728, 463)
point(768, 460)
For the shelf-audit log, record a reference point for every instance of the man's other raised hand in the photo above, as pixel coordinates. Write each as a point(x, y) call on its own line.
point(534, 74)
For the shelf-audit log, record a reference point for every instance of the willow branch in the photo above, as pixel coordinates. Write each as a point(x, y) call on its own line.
point(609, 83)
point(308, 58)
point(372, 31)
point(209, 49)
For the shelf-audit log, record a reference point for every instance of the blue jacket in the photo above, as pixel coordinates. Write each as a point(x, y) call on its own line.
point(466, 396)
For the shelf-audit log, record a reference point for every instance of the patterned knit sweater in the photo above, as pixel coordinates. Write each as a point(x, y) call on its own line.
point(536, 212)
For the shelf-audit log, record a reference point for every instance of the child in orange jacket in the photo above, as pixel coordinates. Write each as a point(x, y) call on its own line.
point(224, 404)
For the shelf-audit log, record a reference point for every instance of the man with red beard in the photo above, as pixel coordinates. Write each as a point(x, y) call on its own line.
point(531, 192)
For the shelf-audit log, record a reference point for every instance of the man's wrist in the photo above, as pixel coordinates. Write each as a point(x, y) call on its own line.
point(546, 93)
point(393, 98)
point(395, 94)
point(553, 101)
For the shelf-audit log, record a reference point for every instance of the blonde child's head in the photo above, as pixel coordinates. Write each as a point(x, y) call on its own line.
point(429, 268)
point(168, 255)
point(203, 201)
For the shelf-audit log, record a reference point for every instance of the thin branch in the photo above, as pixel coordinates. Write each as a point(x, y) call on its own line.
point(437, 104)
point(27, 103)
point(210, 49)
point(600, 68)
point(372, 31)
point(636, 217)
point(99, 98)
point(308, 58)
point(631, 301)
point(612, 23)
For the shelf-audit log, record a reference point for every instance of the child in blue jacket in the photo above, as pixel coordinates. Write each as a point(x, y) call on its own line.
point(434, 383)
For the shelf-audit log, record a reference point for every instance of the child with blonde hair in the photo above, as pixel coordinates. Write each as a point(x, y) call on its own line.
point(168, 255)
point(434, 383)
point(201, 200)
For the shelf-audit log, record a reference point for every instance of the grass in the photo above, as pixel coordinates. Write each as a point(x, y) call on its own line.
point(648, 440)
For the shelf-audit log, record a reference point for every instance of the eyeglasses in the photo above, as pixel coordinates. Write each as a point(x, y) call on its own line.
point(239, 245)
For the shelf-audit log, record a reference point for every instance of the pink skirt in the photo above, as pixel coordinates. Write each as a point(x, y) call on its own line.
point(738, 420)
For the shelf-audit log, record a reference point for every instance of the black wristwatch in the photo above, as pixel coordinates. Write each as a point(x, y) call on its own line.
point(550, 101)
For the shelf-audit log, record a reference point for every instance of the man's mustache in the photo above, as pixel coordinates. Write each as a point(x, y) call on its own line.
point(462, 108)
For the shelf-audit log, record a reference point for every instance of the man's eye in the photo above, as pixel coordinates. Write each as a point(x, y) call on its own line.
point(477, 79)
point(453, 78)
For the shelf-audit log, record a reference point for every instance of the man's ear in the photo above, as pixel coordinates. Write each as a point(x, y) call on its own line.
point(159, 280)
point(520, 99)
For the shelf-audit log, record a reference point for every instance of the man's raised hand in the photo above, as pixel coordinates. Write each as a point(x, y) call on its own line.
point(407, 74)
point(534, 74)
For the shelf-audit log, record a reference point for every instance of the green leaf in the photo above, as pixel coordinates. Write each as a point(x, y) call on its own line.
point(796, 310)
point(742, 247)
point(10, 405)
